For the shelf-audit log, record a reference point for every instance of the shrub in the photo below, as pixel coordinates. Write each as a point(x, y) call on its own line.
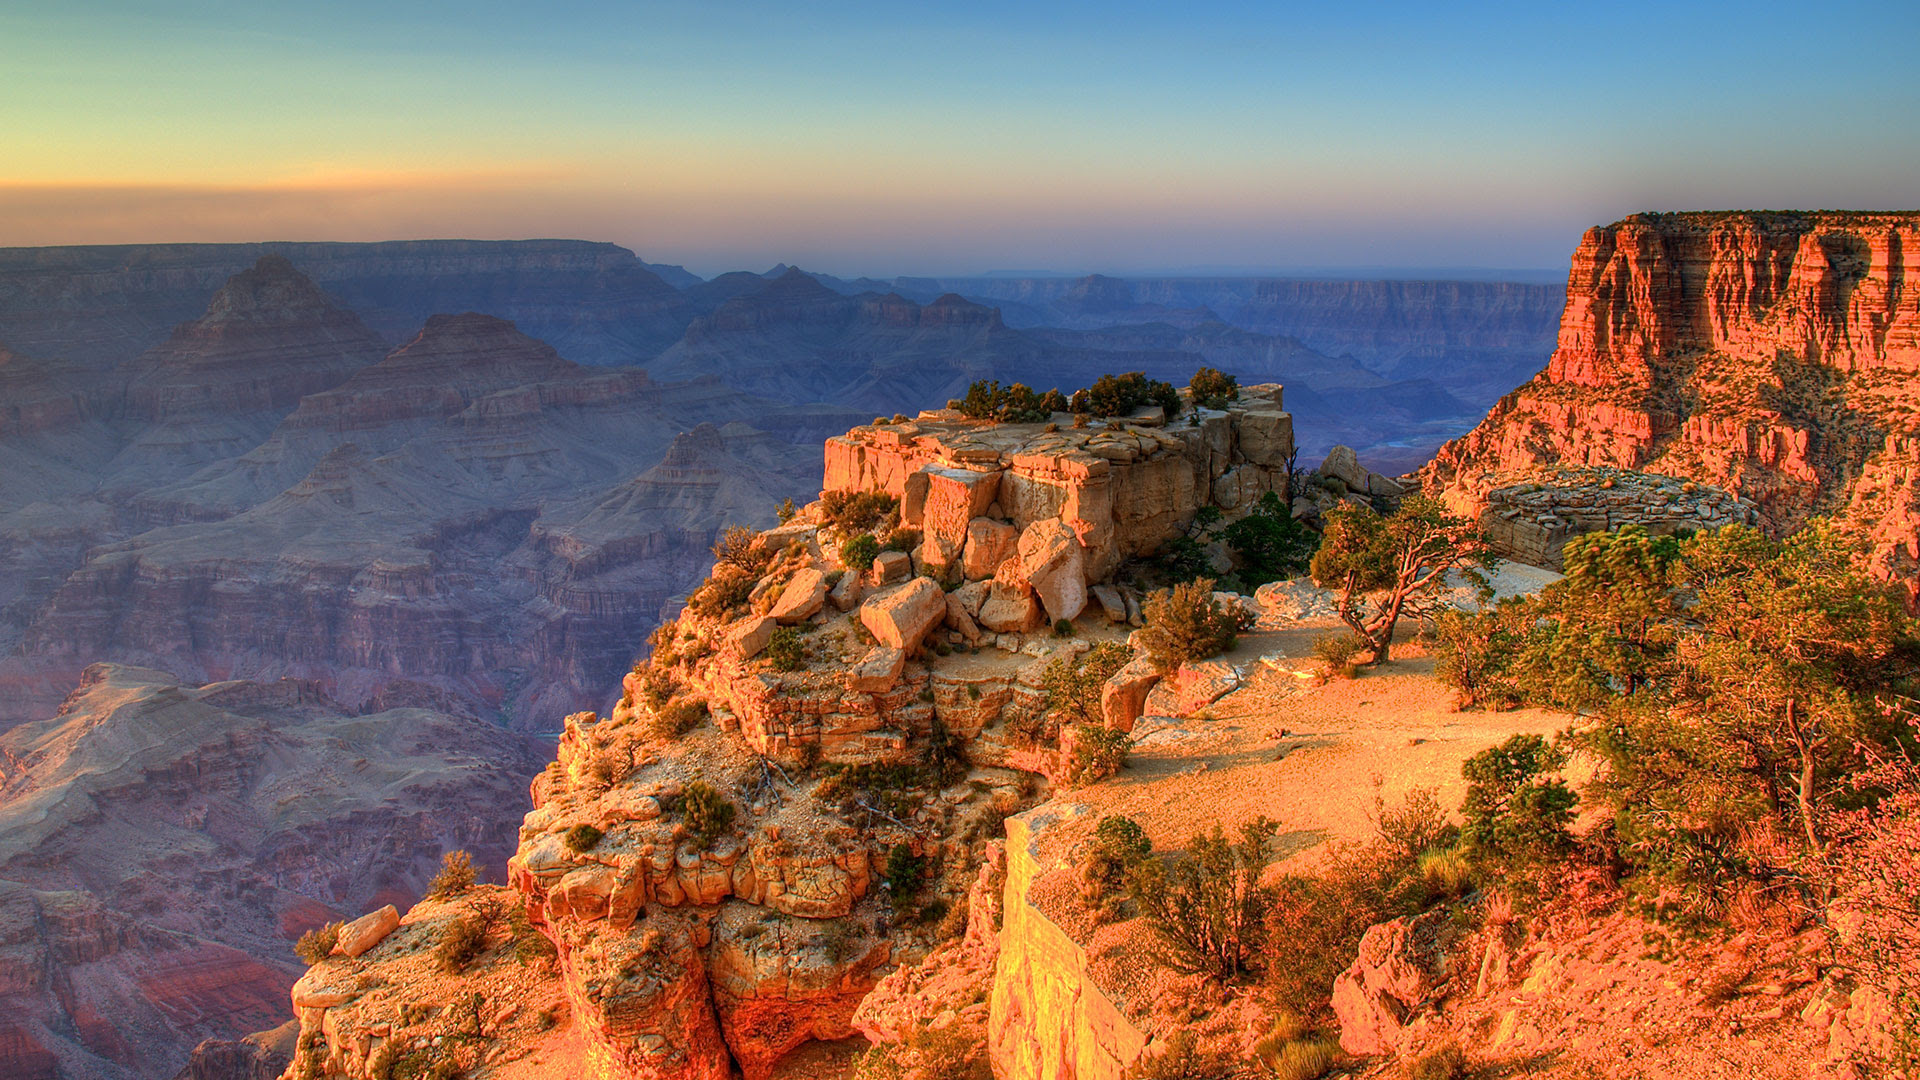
point(1213, 389)
point(582, 837)
point(787, 650)
point(1209, 903)
point(1098, 752)
point(463, 940)
point(317, 944)
point(1337, 650)
point(678, 717)
point(1269, 543)
point(901, 540)
point(738, 548)
point(859, 511)
point(1072, 685)
point(786, 511)
point(530, 946)
point(1443, 1062)
point(717, 596)
point(906, 872)
point(1185, 624)
point(1417, 825)
point(1015, 404)
point(1384, 565)
point(1298, 1059)
point(1063, 628)
point(1184, 1060)
point(1118, 395)
point(858, 552)
point(1517, 817)
point(457, 875)
point(1119, 845)
point(924, 1053)
point(707, 813)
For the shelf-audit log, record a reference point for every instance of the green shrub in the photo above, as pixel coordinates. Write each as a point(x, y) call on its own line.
point(1119, 845)
point(1269, 543)
point(859, 511)
point(677, 717)
point(530, 946)
point(463, 940)
point(707, 813)
point(1208, 903)
point(1072, 684)
point(1016, 404)
point(901, 540)
point(906, 873)
point(457, 875)
point(786, 649)
point(1337, 649)
point(1213, 389)
point(1443, 1062)
point(582, 837)
point(1098, 752)
point(1517, 816)
point(858, 552)
point(317, 944)
point(1118, 395)
point(1185, 624)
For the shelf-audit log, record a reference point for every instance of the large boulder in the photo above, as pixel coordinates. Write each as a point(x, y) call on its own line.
point(1124, 695)
point(891, 566)
point(805, 594)
point(367, 931)
point(845, 592)
point(1266, 437)
point(989, 543)
point(878, 671)
point(1054, 564)
point(955, 497)
point(748, 636)
point(1011, 609)
point(1399, 966)
point(901, 616)
point(1342, 465)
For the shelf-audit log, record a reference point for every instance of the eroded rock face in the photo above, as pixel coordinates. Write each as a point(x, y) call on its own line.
point(1399, 966)
point(1772, 356)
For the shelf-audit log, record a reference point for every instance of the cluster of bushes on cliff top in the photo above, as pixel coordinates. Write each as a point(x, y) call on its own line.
point(1110, 395)
point(860, 511)
point(1015, 404)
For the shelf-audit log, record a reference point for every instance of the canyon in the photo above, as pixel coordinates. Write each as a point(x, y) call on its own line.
point(1771, 355)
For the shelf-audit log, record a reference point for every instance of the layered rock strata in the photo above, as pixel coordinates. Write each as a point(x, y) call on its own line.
point(1772, 355)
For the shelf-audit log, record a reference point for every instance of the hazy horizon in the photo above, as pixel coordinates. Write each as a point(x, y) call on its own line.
point(873, 140)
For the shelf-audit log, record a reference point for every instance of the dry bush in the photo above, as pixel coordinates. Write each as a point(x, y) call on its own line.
point(462, 942)
point(582, 838)
point(1443, 1062)
point(860, 511)
point(1183, 1059)
point(719, 595)
point(457, 875)
point(678, 717)
point(739, 547)
point(317, 944)
point(1337, 650)
point(1185, 624)
point(1298, 1059)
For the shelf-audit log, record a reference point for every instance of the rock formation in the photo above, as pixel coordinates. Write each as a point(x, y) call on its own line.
point(1770, 355)
point(161, 845)
point(804, 773)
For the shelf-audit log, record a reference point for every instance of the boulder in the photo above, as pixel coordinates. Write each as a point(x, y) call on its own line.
point(901, 616)
point(972, 595)
point(1055, 565)
point(891, 566)
point(1123, 698)
point(1011, 609)
point(367, 931)
point(750, 635)
point(989, 543)
point(845, 592)
point(1266, 437)
point(959, 620)
point(802, 599)
point(955, 498)
point(1112, 604)
point(1192, 687)
point(1342, 465)
point(1399, 966)
point(878, 671)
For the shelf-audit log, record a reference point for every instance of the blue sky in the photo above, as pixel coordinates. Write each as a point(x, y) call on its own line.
point(894, 138)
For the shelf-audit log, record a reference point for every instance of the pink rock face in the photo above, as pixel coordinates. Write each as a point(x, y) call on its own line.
point(1668, 362)
point(955, 497)
point(1054, 564)
point(900, 617)
point(989, 543)
point(1398, 967)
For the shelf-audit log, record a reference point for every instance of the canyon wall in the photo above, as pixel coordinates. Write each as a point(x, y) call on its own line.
point(1773, 355)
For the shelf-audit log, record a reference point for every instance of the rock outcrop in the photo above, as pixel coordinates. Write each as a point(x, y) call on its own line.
point(1773, 356)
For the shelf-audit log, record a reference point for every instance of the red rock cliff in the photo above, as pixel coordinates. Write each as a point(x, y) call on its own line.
point(1776, 355)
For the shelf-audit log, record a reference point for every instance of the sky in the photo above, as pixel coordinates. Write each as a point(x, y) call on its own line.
point(948, 138)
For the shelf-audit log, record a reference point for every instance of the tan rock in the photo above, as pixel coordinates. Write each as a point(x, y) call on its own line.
point(1265, 436)
point(1054, 564)
point(845, 592)
point(989, 543)
point(972, 595)
point(802, 599)
point(750, 635)
point(1399, 965)
point(892, 566)
point(1342, 465)
point(1123, 698)
point(583, 893)
point(367, 931)
point(1112, 605)
point(901, 616)
point(960, 621)
point(878, 671)
point(955, 497)
point(1011, 609)
point(321, 988)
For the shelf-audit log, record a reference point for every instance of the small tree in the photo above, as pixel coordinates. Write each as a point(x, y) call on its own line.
point(1209, 904)
point(1213, 389)
point(1384, 565)
point(1270, 543)
point(1185, 624)
point(1098, 752)
point(708, 814)
point(457, 875)
point(1072, 685)
point(858, 552)
point(739, 548)
point(1517, 815)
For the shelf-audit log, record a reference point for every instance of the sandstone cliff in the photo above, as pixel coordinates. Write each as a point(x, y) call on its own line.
point(1771, 355)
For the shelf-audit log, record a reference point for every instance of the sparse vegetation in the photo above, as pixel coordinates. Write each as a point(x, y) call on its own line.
point(1385, 566)
point(1213, 389)
point(858, 552)
point(860, 511)
point(1208, 903)
point(787, 650)
point(707, 813)
point(1186, 623)
point(738, 547)
point(1337, 650)
point(582, 837)
point(1517, 814)
point(902, 540)
point(678, 716)
point(1119, 846)
point(1072, 685)
point(717, 596)
point(457, 875)
point(461, 942)
point(317, 944)
point(1184, 1059)
point(1098, 753)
